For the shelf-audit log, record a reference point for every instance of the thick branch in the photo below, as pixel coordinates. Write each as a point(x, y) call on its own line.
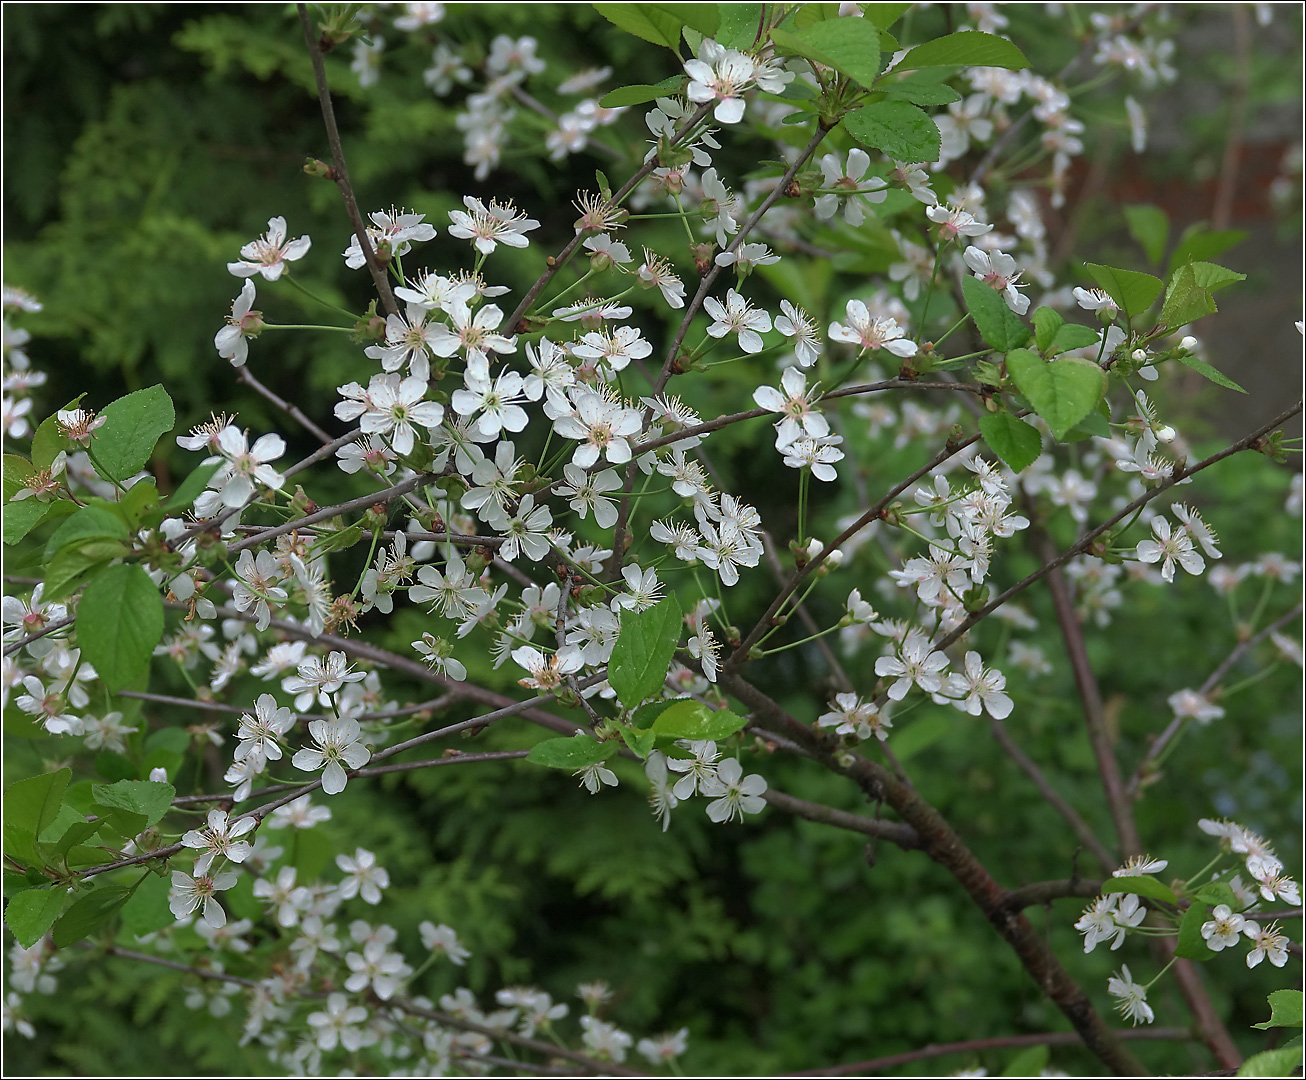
point(945, 847)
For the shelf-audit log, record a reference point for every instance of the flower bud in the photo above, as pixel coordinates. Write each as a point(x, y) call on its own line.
point(1188, 344)
point(1165, 433)
point(1139, 356)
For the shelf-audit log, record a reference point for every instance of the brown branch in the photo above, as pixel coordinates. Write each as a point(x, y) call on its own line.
point(1000, 1042)
point(546, 1049)
point(945, 847)
point(1082, 831)
point(1247, 442)
point(740, 655)
point(1072, 634)
point(341, 174)
point(246, 376)
point(895, 832)
point(360, 503)
point(1044, 892)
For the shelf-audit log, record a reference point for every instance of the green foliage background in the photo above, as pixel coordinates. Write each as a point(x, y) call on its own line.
point(145, 144)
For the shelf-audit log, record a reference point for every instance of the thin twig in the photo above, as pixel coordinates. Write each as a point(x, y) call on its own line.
point(246, 376)
point(1082, 831)
point(341, 174)
point(1212, 681)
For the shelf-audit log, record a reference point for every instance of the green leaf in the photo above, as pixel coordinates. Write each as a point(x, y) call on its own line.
point(659, 23)
point(642, 654)
point(89, 913)
point(739, 25)
point(1013, 440)
point(1062, 392)
point(20, 518)
point(640, 742)
point(693, 720)
point(1200, 243)
point(1285, 1061)
point(1192, 946)
point(631, 95)
point(64, 820)
point(578, 752)
point(149, 798)
point(967, 48)
point(119, 621)
point(1141, 885)
point(1285, 1010)
point(89, 521)
point(999, 326)
point(47, 442)
point(1185, 300)
point(1047, 321)
point(1150, 226)
point(1133, 292)
point(147, 909)
point(33, 804)
point(850, 46)
point(705, 18)
point(1030, 1062)
point(32, 912)
point(920, 92)
point(132, 426)
point(76, 832)
point(20, 844)
point(16, 469)
point(65, 571)
point(898, 128)
point(1218, 892)
point(884, 15)
point(139, 498)
point(1213, 277)
point(1208, 372)
point(1072, 336)
point(191, 488)
point(1093, 424)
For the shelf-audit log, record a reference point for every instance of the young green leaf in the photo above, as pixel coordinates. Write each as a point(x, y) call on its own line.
point(576, 752)
point(920, 92)
point(1199, 242)
point(967, 48)
point(1141, 885)
point(1062, 392)
point(1013, 440)
point(884, 15)
point(642, 654)
point(149, 798)
point(850, 46)
point(1208, 372)
point(119, 621)
point(1192, 946)
point(1047, 321)
point(1285, 1010)
point(660, 23)
point(898, 128)
point(132, 426)
point(999, 326)
point(740, 25)
point(1071, 336)
point(1133, 292)
point(1150, 226)
point(34, 803)
point(638, 94)
point(32, 912)
point(147, 909)
point(688, 719)
point(87, 523)
point(1186, 300)
point(89, 913)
